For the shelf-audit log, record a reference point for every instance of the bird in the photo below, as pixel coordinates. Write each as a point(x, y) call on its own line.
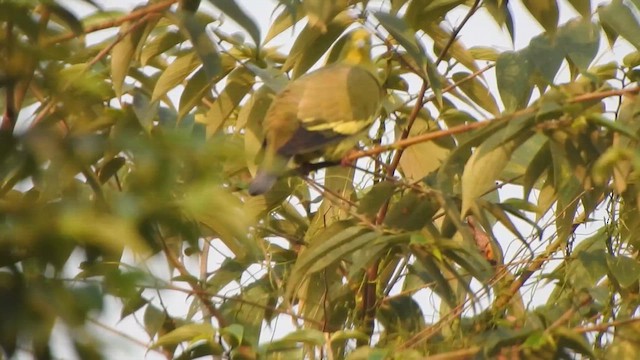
point(320, 113)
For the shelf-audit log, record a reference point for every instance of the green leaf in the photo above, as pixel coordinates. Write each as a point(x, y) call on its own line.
point(320, 44)
point(583, 7)
point(456, 49)
point(404, 35)
point(175, 74)
point(239, 83)
point(545, 56)
point(413, 211)
point(320, 12)
point(625, 270)
point(616, 126)
point(484, 53)
point(202, 44)
point(233, 334)
point(617, 17)
point(195, 89)
point(104, 231)
point(413, 163)
point(189, 332)
point(159, 45)
point(203, 202)
point(482, 171)
point(110, 168)
point(66, 16)
point(430, 272)
point(376, 196)
point(512, 74)
point(540, 163)
point(325, 252)
point(477, 92)
point(231, 9)
point(290, 15)
point(153, 320)
point(122, 55)
point(580, 40)
point(545, 12)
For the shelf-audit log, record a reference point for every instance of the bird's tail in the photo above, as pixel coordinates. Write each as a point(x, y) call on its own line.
point(262, 183)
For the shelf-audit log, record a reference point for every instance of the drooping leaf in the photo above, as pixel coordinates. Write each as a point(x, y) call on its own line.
point(175, 74)
point(403, 34)
point(234, 11)
point(512, 73)
point(545, 12)
point(618, 18)
point(122, 55)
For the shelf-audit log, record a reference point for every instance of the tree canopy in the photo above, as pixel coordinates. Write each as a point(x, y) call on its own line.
point(492, 213)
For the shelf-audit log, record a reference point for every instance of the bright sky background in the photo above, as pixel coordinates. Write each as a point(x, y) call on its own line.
point(481, 31)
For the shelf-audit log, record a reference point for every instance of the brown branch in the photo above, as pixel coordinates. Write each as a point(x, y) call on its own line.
point(605, 326)
point(118, 39)
point(503, 299)
point(401, 144)
point(370, 298)
point(136, 14)
point(457, 30)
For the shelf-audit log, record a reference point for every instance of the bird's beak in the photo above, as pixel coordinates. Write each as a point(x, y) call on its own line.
point(360, 43)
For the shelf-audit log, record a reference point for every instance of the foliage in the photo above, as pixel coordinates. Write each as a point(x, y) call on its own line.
point(132, 149)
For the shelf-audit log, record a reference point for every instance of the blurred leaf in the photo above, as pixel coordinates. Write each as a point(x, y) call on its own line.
point(66, 16)
point(580, 40)
point(583, 7)
point(320, 12)
point(288, 17)
point(624, 270)
point(231, 9)
point(239, 83)
point(189, 332)
point(306, 336)
point(159, 45)
point(153, 320)
point(204, 203)
point(619, 18)
point(202, 44)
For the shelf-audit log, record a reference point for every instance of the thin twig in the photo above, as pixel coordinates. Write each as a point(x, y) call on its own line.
point(401, 144)
point(209, 309)
point(136, 14)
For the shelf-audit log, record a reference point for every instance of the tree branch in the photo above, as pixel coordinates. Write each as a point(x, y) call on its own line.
point(136, 14)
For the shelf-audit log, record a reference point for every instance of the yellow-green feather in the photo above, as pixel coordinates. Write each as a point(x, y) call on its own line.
point(319, 110)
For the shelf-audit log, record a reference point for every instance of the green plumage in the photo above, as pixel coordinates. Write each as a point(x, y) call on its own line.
point(318, 111)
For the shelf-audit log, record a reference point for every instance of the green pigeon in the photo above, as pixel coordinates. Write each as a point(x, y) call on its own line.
point(322, 113)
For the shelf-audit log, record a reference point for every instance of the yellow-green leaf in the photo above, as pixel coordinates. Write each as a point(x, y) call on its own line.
point(175, 74)
point(545, 12)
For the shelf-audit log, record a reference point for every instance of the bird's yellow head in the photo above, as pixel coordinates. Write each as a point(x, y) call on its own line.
point(357, 49)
